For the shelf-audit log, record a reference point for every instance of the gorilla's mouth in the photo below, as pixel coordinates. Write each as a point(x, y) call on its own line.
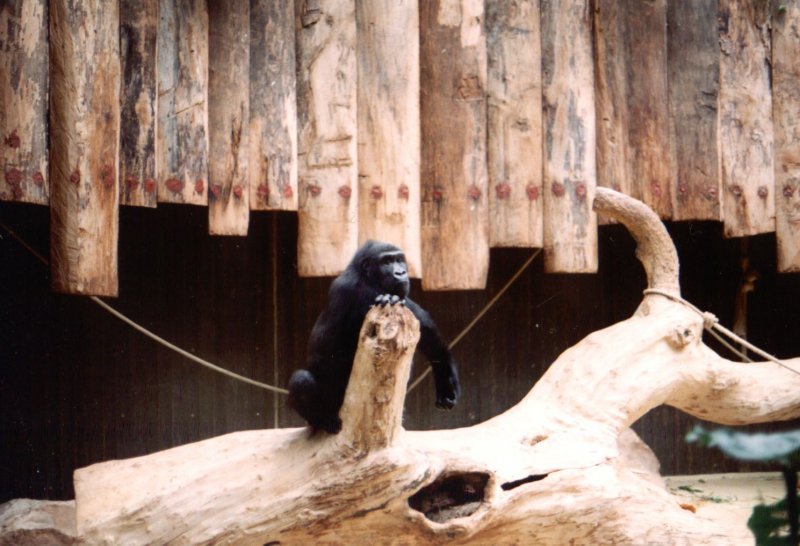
point(451, 496)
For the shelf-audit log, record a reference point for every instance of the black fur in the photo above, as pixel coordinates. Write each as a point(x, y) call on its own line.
point(377, 275)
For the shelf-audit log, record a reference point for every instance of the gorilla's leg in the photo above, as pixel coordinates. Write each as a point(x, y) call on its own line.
point(310, 400)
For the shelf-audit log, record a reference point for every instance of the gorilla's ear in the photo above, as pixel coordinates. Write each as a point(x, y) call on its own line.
point(363, 265)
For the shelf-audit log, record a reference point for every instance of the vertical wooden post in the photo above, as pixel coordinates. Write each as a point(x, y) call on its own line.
point(515, 123)
point(228, 117)
point(455, 207)
point(23, 101)
point(388, 125)
point(786, 116)
point(570, 175)
point(693, 72)
point(633, 139)
point(137, 161)
point(327, 122)
point(182, 134)
point(745, 119)
point(84, 122)
point(273, 106)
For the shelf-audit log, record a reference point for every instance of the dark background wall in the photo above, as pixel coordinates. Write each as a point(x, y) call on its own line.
point(77, 386)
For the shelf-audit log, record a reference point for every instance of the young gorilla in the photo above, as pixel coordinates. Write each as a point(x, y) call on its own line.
point(377, 275)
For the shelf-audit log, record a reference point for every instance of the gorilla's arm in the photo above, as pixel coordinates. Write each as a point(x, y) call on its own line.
point(431, 344)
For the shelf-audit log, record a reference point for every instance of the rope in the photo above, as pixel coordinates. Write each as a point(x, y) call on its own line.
point(483, 311)
point(147, 332)
point(712, 326)
point(205, 363)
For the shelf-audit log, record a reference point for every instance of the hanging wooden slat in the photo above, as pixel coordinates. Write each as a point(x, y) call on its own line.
point(273, 106)
point(182, 134)
point(515, 123)
point(786, 115)
point(327, 122)
point(570, 175)
point(693, 75)
point(633, 138)
point(745, 119)
point(228, 117)
point(84, 137)
point(454, 183)
point(388, 126)
point(138, 25)
point(23, 101)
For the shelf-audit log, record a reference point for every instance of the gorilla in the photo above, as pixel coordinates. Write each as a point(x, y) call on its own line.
point(377, 275)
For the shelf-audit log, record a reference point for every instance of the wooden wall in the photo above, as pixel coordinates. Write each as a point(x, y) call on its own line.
point(79, 387)
point(447, 127)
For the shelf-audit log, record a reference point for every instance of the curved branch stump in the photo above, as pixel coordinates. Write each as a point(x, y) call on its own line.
point(561, 467)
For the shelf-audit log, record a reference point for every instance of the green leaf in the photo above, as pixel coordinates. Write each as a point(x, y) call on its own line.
point(759, 446)
point(769, 524)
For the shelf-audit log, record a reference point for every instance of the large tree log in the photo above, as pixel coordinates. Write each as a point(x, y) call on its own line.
point(561, 467)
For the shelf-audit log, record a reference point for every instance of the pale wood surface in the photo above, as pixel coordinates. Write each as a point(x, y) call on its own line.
point(23, 101)
point(84, 152)
point(786, 115)
point(228, 117)
point(560, 467)
point(693, 74)
point(745, 119)
point(514, 87)
point(455, 204)
point(389, 126)
point(570, 171)
point(137, 162)
point(182, 130)
point(273, 106)
point(633, 142)
point(327, 133)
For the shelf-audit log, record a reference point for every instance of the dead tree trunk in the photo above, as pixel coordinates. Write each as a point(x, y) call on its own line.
point(561, 467)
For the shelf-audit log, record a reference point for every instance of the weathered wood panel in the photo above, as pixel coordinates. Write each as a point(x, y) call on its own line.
point(633, 140)
point(693, 76)
point(786, 115)
point(745, 118)
point(515, 123)
point(389, 126)
point(138, 25)
point(327, 126)
point(455, 208)
point(228, 117)
point(273, 106)
point(23, 101)
point(84, 122)
point(570, 172)
point(182, 131)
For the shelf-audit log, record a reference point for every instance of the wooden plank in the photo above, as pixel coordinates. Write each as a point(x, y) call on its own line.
point(745, 119)
point(327, 123)
point(633, 137)
point(84, 137)
point(137, 162)
point(182, 131)
point(454, 178)
point(23, 101)
point(515, 123)
point(389, 126)
point(786, 116)
point(570, 172)
point(273, 106)
point(693, 76)
point(228, 117)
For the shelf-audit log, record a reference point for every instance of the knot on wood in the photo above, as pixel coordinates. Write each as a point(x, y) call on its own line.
point(684, 334)
point(392, 327)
